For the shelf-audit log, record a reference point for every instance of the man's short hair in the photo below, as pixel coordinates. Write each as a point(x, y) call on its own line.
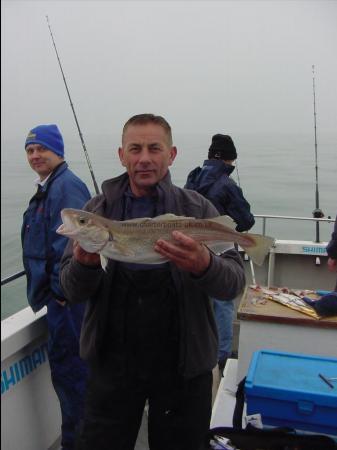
point(143, 119)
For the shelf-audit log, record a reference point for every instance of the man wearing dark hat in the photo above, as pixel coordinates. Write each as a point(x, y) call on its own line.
point(58, 188)
point(213, 181)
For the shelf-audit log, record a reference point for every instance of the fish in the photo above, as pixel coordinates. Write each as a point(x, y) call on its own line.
point(290, 300)
point(133, 240)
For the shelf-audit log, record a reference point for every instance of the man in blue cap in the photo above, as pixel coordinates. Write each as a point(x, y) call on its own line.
point(58, 188)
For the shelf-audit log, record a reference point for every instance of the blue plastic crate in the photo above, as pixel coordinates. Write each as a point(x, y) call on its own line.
point(286, 389)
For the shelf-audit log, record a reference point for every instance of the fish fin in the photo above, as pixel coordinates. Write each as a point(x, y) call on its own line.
point(151, 219)
point(139, 220)
point(219, 247)
point(170, 216)
point(104, 262)
point(224, 220)
point(261, 248)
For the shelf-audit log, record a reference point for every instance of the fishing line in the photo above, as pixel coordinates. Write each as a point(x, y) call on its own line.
point(317, 212)
point(73, 110)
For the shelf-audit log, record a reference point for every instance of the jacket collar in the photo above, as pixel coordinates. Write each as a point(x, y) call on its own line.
point(114, 188)
point(55, 173)
point(43, 189)
point(219, 166)
point(202, 179)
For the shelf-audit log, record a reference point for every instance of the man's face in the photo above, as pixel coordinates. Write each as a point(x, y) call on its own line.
point(42, 160)
point(147, 154)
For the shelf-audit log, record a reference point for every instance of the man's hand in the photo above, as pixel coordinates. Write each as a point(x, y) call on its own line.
point(332, 264)
point(186, 253)
point(85, 258)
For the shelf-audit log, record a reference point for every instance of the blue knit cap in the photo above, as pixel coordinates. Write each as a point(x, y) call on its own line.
point(47, 135)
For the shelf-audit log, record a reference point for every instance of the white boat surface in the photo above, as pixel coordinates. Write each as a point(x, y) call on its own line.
point(30, 416)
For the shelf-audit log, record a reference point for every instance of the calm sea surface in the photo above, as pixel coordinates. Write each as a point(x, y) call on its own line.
point(276, 173)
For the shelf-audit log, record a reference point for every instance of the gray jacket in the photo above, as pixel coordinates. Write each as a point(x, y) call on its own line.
point(223, 280)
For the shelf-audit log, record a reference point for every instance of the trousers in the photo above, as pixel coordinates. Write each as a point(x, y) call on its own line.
point(68, 370)
point(224, 316)
point(137, 363)
point(178, 415)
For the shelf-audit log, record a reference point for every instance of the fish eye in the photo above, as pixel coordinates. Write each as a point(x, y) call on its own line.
point(82, 220)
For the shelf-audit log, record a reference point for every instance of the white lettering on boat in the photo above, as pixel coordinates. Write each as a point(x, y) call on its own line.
point(23, 367)
point(314, 250)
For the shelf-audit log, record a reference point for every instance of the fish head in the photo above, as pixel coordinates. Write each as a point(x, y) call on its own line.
point(85, 228)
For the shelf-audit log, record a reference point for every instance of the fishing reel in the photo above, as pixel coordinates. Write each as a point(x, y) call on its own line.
point(318, 213)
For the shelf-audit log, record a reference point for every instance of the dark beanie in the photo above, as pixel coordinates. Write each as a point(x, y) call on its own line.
point(222, 147)
point(47, 135)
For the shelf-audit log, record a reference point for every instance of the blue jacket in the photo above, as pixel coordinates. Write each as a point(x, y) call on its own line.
point(213, 182)
point(42, 246)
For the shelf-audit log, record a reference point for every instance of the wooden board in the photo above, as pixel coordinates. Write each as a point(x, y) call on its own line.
point(254, 307)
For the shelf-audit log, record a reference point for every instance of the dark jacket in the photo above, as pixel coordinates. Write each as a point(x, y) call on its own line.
point(42, 246)
point(332, 245)
point(213, 182)
point(224, 280)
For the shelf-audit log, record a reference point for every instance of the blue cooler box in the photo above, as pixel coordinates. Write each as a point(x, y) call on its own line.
point(287, 390)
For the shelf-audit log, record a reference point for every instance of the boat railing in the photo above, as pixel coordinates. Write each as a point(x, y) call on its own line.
point(264, 218)
point(12, 277)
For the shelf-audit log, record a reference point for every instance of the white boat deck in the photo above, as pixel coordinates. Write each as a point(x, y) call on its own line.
point(224, 404)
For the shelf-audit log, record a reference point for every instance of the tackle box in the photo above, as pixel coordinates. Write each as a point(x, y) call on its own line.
point(293, 390)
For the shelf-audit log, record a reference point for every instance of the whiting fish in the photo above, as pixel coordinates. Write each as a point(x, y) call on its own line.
point(134, 240)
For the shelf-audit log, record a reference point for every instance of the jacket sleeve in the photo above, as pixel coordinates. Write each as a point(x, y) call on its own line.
point(238, 208)
point(65, 196)
point(78, 282)
point(225, 276)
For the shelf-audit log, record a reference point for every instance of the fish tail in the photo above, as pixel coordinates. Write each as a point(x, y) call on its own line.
point(261, 248)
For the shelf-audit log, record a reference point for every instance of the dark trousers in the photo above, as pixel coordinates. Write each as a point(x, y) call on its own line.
point(68, 370)
point(178, 417)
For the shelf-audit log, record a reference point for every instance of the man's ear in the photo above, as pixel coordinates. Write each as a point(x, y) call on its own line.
point(173, 154)
point(121, 156)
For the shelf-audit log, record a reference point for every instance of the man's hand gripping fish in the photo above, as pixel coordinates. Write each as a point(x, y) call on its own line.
point(134, 240)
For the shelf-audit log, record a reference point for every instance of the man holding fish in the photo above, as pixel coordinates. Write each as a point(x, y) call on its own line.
point(149, 333)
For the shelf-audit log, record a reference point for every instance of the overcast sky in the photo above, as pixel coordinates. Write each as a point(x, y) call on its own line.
point(207, 66)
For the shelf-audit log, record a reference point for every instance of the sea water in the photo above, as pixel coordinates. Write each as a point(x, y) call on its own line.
point(275, 171)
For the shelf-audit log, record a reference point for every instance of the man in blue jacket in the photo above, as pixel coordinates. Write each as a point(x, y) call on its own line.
point(213, 181)
point(58, 188)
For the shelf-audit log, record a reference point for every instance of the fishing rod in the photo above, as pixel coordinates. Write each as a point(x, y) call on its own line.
point(317, 212)
point(237, 172)
point(72, 107)
point(250, 259)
